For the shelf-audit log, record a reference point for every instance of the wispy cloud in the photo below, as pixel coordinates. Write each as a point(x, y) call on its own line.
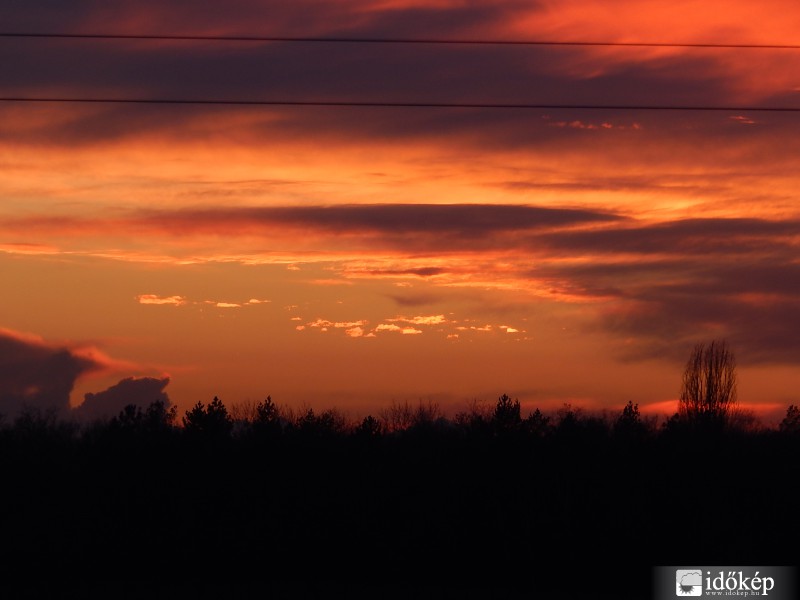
point(157, 300)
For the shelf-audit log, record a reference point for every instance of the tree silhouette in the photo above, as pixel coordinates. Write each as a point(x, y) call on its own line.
point(537, 423)
point(630, 415)
point(506, 415)
point(158, 417)
point(629, 423)
point(129, 418)
point(155, 418)
point(791, 422)
point(42, 425)
point(211, 422)
point(267, 411)
point(267, 418)
point(568, 420)
point(327, 424)
point(404, 417)
point(369, 428)
point(708, 393)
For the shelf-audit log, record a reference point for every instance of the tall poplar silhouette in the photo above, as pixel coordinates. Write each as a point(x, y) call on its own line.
point(708, 392)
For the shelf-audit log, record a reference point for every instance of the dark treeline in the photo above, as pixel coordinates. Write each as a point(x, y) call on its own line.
point(489, 503)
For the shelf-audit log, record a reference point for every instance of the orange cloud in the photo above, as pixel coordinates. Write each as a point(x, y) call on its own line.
point(32, 249)
point(397, 328)
point(355, 332)
point(226, 305)
point(331, 282)
point(159, 300)
point(324, 324)
point(430, 320)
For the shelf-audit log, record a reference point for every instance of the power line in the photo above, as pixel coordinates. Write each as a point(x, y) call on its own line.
point(368, 40)
point(368, 104)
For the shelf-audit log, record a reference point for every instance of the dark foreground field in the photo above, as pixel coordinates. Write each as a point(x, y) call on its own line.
point(576, 508)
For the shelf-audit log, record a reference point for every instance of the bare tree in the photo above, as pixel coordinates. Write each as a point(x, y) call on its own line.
point(709, 383)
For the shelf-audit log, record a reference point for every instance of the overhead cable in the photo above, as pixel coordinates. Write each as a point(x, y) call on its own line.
point(399, 104)
point(375, 40)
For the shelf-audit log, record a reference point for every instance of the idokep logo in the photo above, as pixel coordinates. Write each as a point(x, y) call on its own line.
point(688, 582)
point(742, 582)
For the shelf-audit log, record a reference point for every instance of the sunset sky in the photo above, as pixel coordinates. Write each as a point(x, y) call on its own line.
point(352, 257)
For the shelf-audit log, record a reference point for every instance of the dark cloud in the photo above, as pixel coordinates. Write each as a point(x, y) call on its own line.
point(423, 272)
point(387, 72)
point(666, 183)
point(412, 300)
point(432, 22)
point(37, 375)
point(460, 219)
point(141, 391)
point(46, 15)
point(409, 228)
point(761, 332)
point(667, 286)
point(690, 236)
point(325, 72)
point(177, 16)
point(752, 303)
